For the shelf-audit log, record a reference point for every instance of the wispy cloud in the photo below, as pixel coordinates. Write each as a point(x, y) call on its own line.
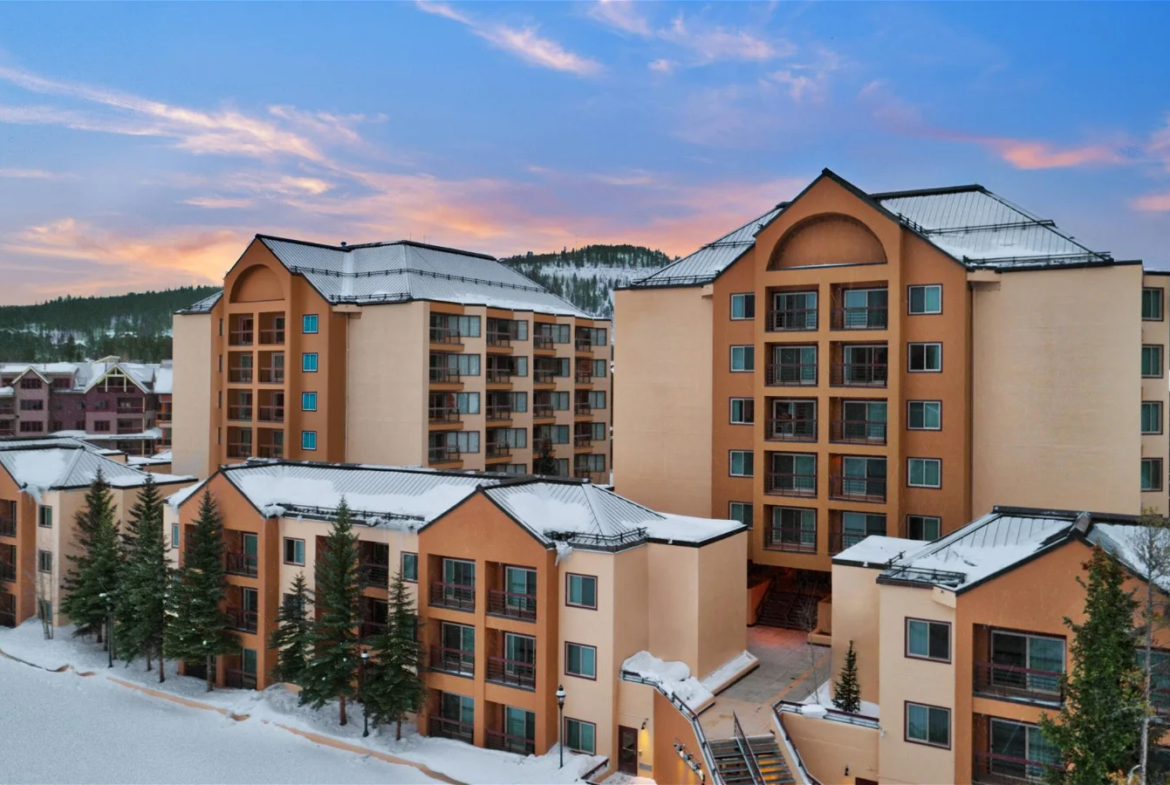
point(622, 15)
point(523, 42)
point(662, 65)
point(36, 174)
point(713, 44)
point(219, 202)
point(808, 81)
point(1034, 154)
point(1152, 203)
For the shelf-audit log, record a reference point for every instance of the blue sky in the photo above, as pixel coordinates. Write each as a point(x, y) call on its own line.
point(143, 145)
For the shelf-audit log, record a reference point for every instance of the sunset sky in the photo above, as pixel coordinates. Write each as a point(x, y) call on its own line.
point(142, 145)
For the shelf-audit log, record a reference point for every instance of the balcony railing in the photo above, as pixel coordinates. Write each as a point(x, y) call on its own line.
point(872, 318)
point(1015, 683)
point(993, 769)
point(453, 595)
point(271, 414)
point(864, 489)
point(271, 451)
point(7, 527)
point(511, 605)
point(239, 680)
point(496, 413)
point(442, 454)
point(242, 620)
point(792, 375)
point(495, 338)
point(542, 341)
point(240, 338)
point(513, 673)
point(518, 745)
point(239, 450)
point(791, 539)
point(7, 572)
point(272, 375)
point(542, 410)
point(272, 337)
point(859, 375)
point(241, 564)
point(582, 408)
point(583, 440)
point(782, 484)
point(595, 477)
point(443, 728)
point(243, 413)
point(791, 430)
point(448, 335)
point(857, 431)
point(7, 618)
point(584, 345)
point(138, 407)
point(240, 375)
point(499, 375)
point(497, 449)
point(544, 375)
point(443, 414)
point(375, 574)
point(791, 320)
point(452, 661)
point(584, 377)
point(445, 375)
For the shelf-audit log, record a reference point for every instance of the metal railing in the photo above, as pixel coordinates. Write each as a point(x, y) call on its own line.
point(496, 413)
point(582, 408)
point(791, 430)
point(240, 338)
point(584, 378)
point(452, 661)
point(498, 740)
point(499, 375)
point(375, 574)
point(445, 375)
point(448, 335)
point(783, 484)
point(271, 414)
point(443, 728)
point(791, 320)
point(858, 374)
point(791, 375)
point(584, 345)
point(513, 673)
point(583, 440)
point(542, 340)
point(792, 539)
point(498, 338)
point(864, 489)
point(512, 605)
point(241, 564)
point(544, 375)
point(542, 410)
point(243, 413)
point(443, 414)
point(442, 454)
point(497, 450)
point(857, 431)
point(748, 754)
point(456, 596)
point(272, 337)
point(1017, 683)
point(272, 375)
point(995, 769)
point(243, 620)
point(871, 318)
point(240, 375)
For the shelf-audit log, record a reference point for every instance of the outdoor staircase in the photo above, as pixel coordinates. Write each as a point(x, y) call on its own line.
point(771, 760)
point(789, 610)
point(733, 766)
point(731, 763)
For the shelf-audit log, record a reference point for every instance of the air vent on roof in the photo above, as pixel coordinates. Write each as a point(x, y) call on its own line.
point(343, 243)
point(1082, 522)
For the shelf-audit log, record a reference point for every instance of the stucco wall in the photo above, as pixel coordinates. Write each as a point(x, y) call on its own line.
point(856, 618)
point(674, 604)
point(829, 749)
point(192, 394)
point(1158, 445)
point(722, 616)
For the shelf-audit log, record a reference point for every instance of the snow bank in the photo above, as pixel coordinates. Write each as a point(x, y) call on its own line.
point(821, 697)
point(673, 677)
point(684, 528)
point(715, 680)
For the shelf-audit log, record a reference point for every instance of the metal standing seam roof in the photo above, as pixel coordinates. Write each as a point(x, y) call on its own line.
point(50, 465)
point(608, 514)
point(202, 306)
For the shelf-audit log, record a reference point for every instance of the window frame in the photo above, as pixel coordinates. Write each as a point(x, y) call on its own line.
point(925, 344)
point(402, 566)
point(910, 484)
point(305, 398)
point(906, 643)
point(41, 559)
point(1161, 472)
point(1161, 307)
point(569, 594)
point(909, 417)
point(749, 353)
point(748, 506)
point(1161, 425)
point(928, 706)
point(316, 322)
point(41, 510)
point(592, 725)
point(745, 298)
point(306, 437)
point(284, 551)
point(176, 535)
point(305, 362)
point(731, 411)
point(936, 518)
point(910, 299)
point(1161, 360)
point(580, 675)
point(731, 463)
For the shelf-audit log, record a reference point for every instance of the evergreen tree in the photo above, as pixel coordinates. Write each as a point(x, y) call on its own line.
point(393, 685)
point(199, 629)
point(846, 691)
point(545, 463)
point(97, 568)
point(332, 670)
point(1098, 730)
point(293, 637)
point(146, 582)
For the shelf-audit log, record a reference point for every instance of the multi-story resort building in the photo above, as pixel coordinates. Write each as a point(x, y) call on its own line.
point(522, 585)
point(851, 364)
point(393, 353)
point(43, 483)
point(114, 404)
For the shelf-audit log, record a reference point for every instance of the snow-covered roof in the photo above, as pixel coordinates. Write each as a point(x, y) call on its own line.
point(877, 550)
point(202, 306)
point(164, 379)
point(671, 676)
point(85, 375)
point(41, 465)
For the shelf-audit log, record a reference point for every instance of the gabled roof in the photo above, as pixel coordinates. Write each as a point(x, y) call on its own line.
point(85, 375)
point(202, 306)
point(48, 464)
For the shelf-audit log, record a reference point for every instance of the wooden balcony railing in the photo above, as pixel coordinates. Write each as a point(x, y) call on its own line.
point(375, 574)
point(241, 564)
point(791, 320)
point(873, 318)
point(240, 375)
point(511, 605)
point(542, 410)
point(448, 335)
point(988, 768)
point(239, 680)
point(7, 527)
point(518, 745)
point(863, 489)
point(239, 450)
point(452, 661)
point(271, 414)
point(583, 440)
point(791, 539)
point(272, 375)
point(442, 454)
point(857, 431)
point(791, 430)
point(242, 620)
point(513, 673)
point(499, 375)
point(7, 572)
point(443, 414)
point(495, 338)
point(445, 375)
point(272, 337)
point(453, 595)
point(497, 413)
point(497, 449)
point(783, 484)
point(443, 728)
point(791, 375)
point(240, 338)
point(271, 451)
point(1015, 683)
point(858, 375)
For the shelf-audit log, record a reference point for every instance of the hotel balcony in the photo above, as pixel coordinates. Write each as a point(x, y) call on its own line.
point(783, 484)
point(511, 605)
point(988, 768)
point(858, 374)
point(455, 596)
point(542, 341)
point(1018, 684)
point(517, 745)
point(583, 344)
point(499, 339)
point(499, 374)
point(584, 376)
point(583, 440)
point(273, 413)
point(443, 454)
point(497, 450)
point(8, 570)
point(7, 526)
point(236, 563)
point(272, 329)
point(498, 412)
point(791, 375)
point(243, 620)
point(446, 335)
point(241, 331)
point(512, 673)
point(791, 429)
point(443, 728)
point(240, 369)
point(272, 367)
point(374, 564)
point(445, 375)
point(790, 539)
point(871, 318)
point(857, 432)
point(859, 489)
point(458, 661)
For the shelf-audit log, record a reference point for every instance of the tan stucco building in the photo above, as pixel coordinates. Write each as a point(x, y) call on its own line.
point(390, 353)
point(851, 364)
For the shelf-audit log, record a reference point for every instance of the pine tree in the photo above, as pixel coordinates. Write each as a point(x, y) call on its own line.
point(293, 637)
point(332, 670)
point(1098, 729)
point(545, 463)
point(97, 568)
point(846, 691)
point(147, 581)
point(393, 685)
point(199, 629)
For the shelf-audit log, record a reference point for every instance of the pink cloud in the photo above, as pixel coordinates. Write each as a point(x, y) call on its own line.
point(1031, 154)
point(622, 15)
point(1152, 203)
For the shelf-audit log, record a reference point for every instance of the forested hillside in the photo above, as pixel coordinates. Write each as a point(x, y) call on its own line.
point(133, 326)
point(587, 276)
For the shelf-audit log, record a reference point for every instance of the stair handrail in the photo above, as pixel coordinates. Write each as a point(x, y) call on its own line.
point(689, 714)
point(748, 754)
point(790, 747)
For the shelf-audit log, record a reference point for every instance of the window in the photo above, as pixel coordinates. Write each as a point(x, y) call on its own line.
point(925, 299)
point(582, 591)
point(458, 644)
point(923, 527)
point(516, 438)
point(409, 568)
point(743, 306)
point(743, 359)
point(924, 415)
point(925, 357)
point(309, 362)
point(793, 474)
point(856, 526)
point(308, 440)
point(598, 368)
point(1152, 361)
point(743, 411)
point(1152, 305)
point(864, 309)
point(519, 366)
point(598, 431)
point(467, 403)
point(1151, 474)
point(597, 399)
point(30, 383)
point(793, 365)
point(464, 441)
point(294, 551)
point(308, 402)
point(928, 640)
point(560, 401)
point(466, 325)
point(580, 660)
point(1029, 663)
point(793, 311)
point(793, 529)
point(174, 536)
point(1151, 416)
point(928, 725)
point(32, 406)
point(1020, 752)
point(740, 511)
point(579, 736)
point(518, 401)
point(793, 420)
point(309, 324)
point(27, 426)
point(862, 477)
point(924, 473)
point(465, 364)
point(741, 463)
point(45, 517)
point(44, 561)
point(862, 421)
point(45, 611)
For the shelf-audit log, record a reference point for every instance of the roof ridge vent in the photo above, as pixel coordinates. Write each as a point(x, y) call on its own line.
point(1082, 523)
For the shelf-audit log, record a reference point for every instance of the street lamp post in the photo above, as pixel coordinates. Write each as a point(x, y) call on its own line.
point(561, 722)
point(362, 691)
point(109, 598)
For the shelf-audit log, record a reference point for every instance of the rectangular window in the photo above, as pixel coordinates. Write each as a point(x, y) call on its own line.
point(743, 411)
point(464, 441)
point(309, 362)
point(793, 365)
point(742, 512)
point(923, 527)
point(793, 529)
point(1151, 474)
point(598, 431)
point(924, 473)
point(743, 359)
point(467, 403)
point(792, 474)
point(1152, 361)
point(174, 536)
point(581, 660)
point(924, 415)
point(1020, 752)
point(928, 725)
point(1151, 416)
point(308, 402)
point(1152, 305)
point(793, 311)
point(925, 357)
point(582, 591)
point(742, 463)
point(44, 561)
point(45, 517)
point(308, 440)
point(856, 526)
point(518, 401)
point(1031, 663)
point(597, 399)
point(560, 401)
point(294, 551)
point(598, 368)
point(863, 309)
point(409, 567)
point(309, 324)
point(928, 640)
point(743, 306)
point(925, 299)
point(580, 736)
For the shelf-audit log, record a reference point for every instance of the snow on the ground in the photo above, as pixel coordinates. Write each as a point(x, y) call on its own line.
point(715, 680)
point(674, 677)
point(277, 705)
point(627, 779)
point(823, 696)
